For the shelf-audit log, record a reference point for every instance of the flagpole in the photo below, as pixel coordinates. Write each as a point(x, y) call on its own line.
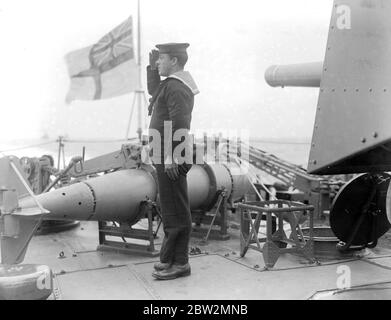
point(140, 92)
point(139, 42)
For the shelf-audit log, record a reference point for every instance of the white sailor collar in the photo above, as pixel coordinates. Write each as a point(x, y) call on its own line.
point(187, 79)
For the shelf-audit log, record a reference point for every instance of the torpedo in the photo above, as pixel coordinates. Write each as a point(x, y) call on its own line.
point(115, 196)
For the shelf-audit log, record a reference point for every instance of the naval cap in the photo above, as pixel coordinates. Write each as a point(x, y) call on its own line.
point(172, 47)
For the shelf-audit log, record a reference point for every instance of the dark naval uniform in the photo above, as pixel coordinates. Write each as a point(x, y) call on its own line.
point(172, 100)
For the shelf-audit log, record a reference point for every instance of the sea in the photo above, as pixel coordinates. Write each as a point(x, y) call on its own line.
point(295, 151)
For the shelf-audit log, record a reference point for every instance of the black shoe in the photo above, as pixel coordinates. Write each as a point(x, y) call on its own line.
point(175, 271)
point(160, 266)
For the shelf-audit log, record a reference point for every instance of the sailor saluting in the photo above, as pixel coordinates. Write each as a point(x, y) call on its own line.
point(171, 107)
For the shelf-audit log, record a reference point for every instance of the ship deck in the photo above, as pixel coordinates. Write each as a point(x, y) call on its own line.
point(217, 273)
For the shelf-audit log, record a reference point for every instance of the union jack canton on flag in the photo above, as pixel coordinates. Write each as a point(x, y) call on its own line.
point(106, 69)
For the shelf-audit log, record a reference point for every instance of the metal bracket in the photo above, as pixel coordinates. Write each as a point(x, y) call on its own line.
point(221, 197)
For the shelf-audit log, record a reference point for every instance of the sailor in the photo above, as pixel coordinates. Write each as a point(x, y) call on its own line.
point(171, 108)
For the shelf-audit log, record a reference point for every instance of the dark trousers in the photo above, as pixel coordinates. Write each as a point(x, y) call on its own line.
point(176, 215)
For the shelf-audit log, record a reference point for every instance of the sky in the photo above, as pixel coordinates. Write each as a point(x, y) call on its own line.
point(231, 45)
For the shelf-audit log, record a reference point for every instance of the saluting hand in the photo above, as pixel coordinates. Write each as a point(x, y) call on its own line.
point(153, 58)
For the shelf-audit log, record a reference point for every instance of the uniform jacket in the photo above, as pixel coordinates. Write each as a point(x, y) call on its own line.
point(172, 99)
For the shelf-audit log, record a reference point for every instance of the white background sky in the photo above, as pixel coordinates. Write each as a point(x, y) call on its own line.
point(232, 44)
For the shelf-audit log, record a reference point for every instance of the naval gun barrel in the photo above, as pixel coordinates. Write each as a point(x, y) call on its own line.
point(295, 75)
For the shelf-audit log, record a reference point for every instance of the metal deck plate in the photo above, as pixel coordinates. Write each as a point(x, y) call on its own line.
point(213, 277)
point(102, 284)
point(221, 274)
